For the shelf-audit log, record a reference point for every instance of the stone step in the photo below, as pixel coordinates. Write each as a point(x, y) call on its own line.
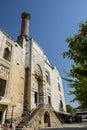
point(20, 128)
point(23, 122)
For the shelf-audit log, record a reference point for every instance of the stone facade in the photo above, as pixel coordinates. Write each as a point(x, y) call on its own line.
point(12, 71)
point(45, 79)
point(30, 87)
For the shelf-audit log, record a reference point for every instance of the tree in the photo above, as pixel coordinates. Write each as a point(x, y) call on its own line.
point(77, 51)
point(70, 109)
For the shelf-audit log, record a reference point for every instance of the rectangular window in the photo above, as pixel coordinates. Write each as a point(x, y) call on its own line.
point(49, 100)
point(47, 77)
point(35, 97)
point(2, 87)
point(61, 104)
point(59, 87)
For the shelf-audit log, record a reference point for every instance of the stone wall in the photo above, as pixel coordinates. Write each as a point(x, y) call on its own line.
point(39, 66)
point(16, 73)
point(21, 86)
point(38, 119)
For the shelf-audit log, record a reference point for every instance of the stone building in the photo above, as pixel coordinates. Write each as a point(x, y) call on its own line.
point(31, 90)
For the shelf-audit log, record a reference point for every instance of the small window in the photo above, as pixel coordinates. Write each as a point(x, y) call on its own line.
point(7, 54)
point(61, 104)
point(35, 98)
point(59, 87)
point(47, 77)
point(49, 100)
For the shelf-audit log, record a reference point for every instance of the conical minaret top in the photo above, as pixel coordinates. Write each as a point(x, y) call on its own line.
point(24, 27)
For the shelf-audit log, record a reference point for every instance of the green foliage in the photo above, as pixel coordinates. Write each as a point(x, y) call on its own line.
point(3, 108)
point(70, 109)
point(77, 51)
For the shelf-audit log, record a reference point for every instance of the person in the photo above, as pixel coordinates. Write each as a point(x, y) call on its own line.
point(80, 118)
point(6, 125)
point(13, 125)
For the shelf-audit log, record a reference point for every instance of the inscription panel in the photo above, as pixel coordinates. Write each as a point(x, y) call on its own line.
point(4, 71)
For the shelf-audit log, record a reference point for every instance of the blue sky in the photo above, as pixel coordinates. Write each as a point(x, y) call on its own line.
point(52, 21)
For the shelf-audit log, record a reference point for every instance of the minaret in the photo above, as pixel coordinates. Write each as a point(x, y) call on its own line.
point(24, 28)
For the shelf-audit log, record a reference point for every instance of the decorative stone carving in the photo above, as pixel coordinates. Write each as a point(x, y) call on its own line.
point(4, 71)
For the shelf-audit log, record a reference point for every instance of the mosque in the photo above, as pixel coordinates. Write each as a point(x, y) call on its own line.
point(31, 90)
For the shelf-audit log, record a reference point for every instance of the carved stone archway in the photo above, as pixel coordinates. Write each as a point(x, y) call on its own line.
point(39, 78)
point(38, 71)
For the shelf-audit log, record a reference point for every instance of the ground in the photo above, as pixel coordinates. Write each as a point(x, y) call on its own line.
point(71, 126)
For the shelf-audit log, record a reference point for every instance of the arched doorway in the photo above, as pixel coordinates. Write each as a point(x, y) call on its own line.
point(47, 118)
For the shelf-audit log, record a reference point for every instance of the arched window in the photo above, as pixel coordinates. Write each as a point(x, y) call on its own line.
point(7, 54)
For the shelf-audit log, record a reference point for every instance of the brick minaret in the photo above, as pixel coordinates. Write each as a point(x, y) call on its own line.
point(24, 28)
